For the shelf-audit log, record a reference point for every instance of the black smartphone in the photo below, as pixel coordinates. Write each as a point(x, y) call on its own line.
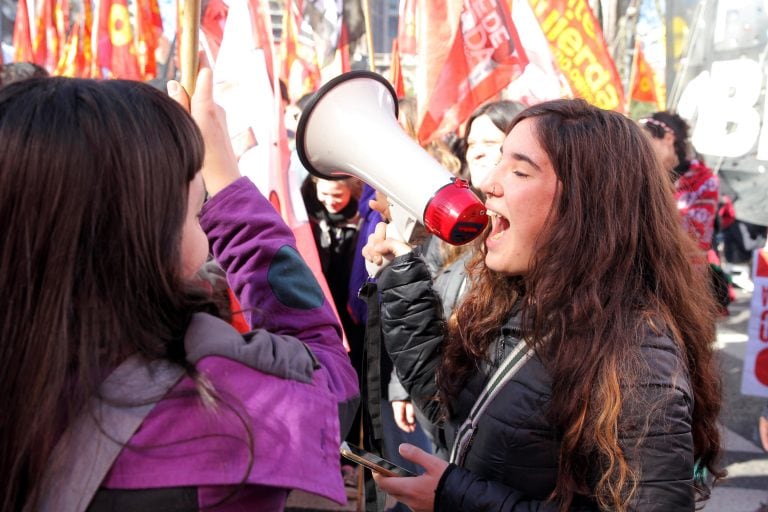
point(372, 461)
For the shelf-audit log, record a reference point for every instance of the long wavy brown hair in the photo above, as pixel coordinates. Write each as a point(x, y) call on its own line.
point(613, 260)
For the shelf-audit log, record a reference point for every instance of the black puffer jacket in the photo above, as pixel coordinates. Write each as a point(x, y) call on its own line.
point(512, 462)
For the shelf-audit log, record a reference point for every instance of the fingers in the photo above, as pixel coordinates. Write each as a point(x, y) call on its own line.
point(177, 92)
point(410, 415)
point(375, 250)
point(429, 462)
point(402, 412)
point(418, 492)
point(220, 163)
point(203, 88)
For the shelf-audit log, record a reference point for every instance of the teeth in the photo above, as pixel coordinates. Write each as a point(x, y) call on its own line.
point(491, 213)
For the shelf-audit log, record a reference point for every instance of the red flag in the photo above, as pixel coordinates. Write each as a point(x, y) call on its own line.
point(76, 55)
point(580, 51)
point(22, 38)
point(485, 56)
point(406, 27)
point(116, 51)
point(212, 25)
point(343, 50)
point(262, 25)
point(61, 17)
point(299, 70)
point(244, 88)
point(46, 47)
point(644, 87)
point(149, 29)
point(90, 68)
point(72, 63)
point(396, 71)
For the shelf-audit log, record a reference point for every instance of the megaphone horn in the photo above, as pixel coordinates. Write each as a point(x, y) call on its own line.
point(350, 128)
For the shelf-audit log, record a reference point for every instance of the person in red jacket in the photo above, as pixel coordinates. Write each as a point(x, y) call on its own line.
point(697, 192)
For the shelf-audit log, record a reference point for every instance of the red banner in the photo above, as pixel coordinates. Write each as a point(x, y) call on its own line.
point(116, 51)
point(149, 29)
point(299, 70)
point(580, 51)
point(406, 27)
point(754, 377)
point(47, 45)
point(644, 87)
point(396, 71)
point(485, 57)
point(22, 38)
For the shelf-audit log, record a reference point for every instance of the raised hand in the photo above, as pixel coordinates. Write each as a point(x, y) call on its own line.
point(220, 164)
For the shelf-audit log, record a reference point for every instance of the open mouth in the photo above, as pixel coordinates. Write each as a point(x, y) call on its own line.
point(499, 225)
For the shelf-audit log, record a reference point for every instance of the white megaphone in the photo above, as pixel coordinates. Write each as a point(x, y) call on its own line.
point(350, 128)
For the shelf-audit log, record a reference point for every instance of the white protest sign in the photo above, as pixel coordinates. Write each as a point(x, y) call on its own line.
point(754, 379)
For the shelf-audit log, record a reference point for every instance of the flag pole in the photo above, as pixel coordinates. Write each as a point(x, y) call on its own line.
point(190, 43)
point(369, 35)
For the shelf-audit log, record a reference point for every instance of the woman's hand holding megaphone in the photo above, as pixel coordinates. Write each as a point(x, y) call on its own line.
point(380, 249)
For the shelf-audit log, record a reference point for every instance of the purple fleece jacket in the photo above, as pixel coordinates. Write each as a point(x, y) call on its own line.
point(294, 425)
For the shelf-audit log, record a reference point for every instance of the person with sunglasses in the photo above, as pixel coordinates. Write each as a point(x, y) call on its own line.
point(697, 192)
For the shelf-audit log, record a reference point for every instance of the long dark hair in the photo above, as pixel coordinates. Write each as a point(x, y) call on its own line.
point(94, 181)
point(612, 262)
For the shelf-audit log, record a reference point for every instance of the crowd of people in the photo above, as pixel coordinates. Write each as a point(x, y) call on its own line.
point(166, 347)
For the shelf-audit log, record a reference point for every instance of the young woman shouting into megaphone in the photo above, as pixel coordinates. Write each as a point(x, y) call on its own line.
point(578, 372)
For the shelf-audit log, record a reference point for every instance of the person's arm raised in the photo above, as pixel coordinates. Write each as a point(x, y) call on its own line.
point(220, 164)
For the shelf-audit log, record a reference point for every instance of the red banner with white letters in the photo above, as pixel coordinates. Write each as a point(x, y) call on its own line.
point(754, 379)
point(485, 56)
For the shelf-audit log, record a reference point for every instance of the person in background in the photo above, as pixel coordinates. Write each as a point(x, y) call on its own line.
point(335, 223)
point(105, 225)
point(578, 372)
point(484, 133)
point(15, 71)
point(335, 229)
point(697, 191)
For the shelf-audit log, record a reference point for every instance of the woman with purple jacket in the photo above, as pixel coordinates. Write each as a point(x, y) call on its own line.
point(105, 319)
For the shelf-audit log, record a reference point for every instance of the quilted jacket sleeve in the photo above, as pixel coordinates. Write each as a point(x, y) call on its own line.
point(412, 328)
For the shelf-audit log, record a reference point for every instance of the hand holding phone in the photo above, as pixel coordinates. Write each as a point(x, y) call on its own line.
point(372, 461)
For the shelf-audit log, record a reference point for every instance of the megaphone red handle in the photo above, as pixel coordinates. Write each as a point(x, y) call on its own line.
point(455, 214)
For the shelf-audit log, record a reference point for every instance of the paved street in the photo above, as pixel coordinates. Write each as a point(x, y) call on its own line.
point(746, 486)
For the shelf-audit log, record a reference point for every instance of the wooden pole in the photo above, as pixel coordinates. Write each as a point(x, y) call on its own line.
point(369, 35)
point(190, 43)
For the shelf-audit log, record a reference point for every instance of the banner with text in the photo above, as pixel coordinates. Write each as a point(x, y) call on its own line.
point(486, 55)
point(754, 380)
point(580, 51)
